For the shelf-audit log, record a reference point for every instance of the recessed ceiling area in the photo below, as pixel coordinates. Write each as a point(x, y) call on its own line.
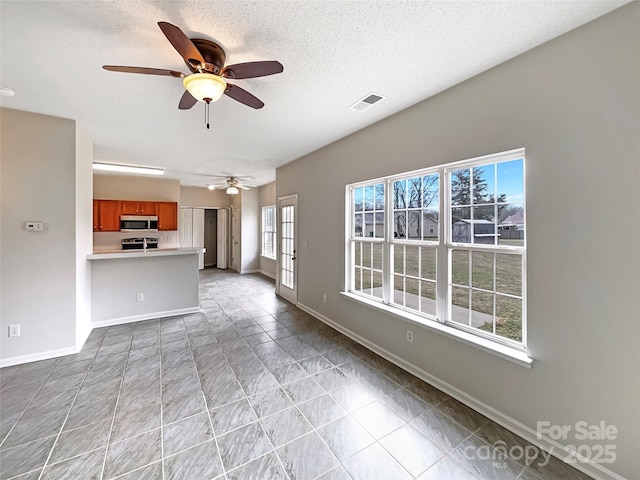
point(334, 53)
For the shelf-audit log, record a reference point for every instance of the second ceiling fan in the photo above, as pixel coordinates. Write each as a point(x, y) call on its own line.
point(207, 81)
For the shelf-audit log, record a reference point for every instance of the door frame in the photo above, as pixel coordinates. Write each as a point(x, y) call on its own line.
point(281, 199)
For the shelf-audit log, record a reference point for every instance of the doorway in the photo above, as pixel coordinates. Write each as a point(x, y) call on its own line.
point(287, 262)
point(206, 228)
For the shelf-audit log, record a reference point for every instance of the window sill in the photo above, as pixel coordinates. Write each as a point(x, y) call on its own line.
point(268, 257)
point(511, 354)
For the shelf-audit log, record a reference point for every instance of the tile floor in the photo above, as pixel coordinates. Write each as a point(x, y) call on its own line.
point(250, 388)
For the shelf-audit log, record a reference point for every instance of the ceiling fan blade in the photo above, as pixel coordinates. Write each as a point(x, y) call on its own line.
point(242, 96)
point(145, 70)
point(241, 186)
point(187, 101)
point(248, 185)
point(182, 44)
point(252, 69)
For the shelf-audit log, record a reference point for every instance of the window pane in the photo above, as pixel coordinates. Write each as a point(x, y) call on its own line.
point(358, 203)
point(461, 225)
point(377, 256)
point(412, 295)
point(460, 267)
point(368, 225)
point(415, 192)
point(482, 270)
point(483, 184)
point(428, 263)
point(461, 187)
point(414, 225)
point(460, 305)
point(399, 225)
point(379, 202)
point(509, 274)
point(366, 255)
point(357, 252)
point(400, 194)
point(511, 181)
point(357, 223)
point(366, 281)
point(368, 197)
point(377, 285)
point(398, 289)
point(511, 224)
point(379, 227)
point(482, 310)
point(412, 260)
point(509, 317)
point(428, 300)
point(431, 193)
point(398, 259)
point(484, 227)
point(357, 279)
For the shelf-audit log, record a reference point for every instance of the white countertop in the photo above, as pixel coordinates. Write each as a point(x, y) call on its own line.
point(152, 252)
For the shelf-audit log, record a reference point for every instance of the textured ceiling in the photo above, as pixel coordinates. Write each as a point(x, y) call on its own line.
point(334, 53)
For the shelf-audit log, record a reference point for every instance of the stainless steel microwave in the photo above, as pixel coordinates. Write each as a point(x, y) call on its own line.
point(138, 223)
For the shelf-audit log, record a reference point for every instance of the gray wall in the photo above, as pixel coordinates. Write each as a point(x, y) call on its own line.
point(169, 284)
point(574, 104)
point(250, 231)
point(46, 176)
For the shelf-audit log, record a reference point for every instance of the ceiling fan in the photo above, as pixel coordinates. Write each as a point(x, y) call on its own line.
point(207, 81)
point(232, 185)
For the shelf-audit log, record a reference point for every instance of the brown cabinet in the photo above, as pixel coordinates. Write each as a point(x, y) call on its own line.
point(167, 215)
point(106, 215)
point(132, 207)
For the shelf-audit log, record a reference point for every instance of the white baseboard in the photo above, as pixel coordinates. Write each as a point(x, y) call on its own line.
point(35, 357)
point(145, 316)
point(594, 470)
point(267, 274)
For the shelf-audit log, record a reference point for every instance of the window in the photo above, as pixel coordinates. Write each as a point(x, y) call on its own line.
point(446, 244)
point(269, 231)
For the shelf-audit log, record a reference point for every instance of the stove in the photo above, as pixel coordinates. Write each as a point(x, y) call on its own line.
point(139, 243)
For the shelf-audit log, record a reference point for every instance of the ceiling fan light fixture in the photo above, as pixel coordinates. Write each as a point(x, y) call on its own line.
point(232, 191)
point(205, 85)
point(211, 187)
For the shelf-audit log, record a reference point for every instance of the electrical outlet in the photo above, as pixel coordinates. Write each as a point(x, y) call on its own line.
point(14, 330)
point(324, 298)
point(410, 336)
point(140, 297)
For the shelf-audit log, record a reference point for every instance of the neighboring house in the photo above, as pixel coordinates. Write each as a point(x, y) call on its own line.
point(484, 231)
point(513, 226)
point(412, 231)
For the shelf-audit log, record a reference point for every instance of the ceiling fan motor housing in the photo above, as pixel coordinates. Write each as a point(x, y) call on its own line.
point(212, 53)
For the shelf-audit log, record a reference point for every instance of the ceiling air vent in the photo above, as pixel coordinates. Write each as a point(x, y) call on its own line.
point(366, 102)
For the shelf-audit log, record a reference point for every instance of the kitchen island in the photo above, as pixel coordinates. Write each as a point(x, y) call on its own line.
point(133, 285)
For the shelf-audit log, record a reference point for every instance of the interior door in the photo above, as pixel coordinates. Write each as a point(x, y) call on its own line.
point(288, 271)
point(223, 237)
point(185, 228)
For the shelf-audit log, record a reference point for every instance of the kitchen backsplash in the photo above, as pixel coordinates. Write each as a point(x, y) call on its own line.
point(112, 240)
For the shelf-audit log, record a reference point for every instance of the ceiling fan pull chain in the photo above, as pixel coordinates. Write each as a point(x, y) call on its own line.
point(206, 113)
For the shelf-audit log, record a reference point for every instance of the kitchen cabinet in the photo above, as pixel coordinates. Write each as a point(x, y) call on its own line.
point(108, 215)
point(167, 215)
point(132, 207)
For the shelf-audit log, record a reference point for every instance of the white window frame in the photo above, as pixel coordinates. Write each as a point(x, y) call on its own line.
point(271, 232)
point(504, 347)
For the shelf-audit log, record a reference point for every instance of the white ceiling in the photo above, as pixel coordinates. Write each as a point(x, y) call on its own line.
point(334, 53)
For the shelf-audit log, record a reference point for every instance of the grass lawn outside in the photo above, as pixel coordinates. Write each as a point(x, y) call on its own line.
point(486, 284)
